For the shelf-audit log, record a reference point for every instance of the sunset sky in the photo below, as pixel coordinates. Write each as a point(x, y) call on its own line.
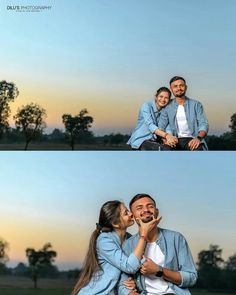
point(56, 196)
point(109, 56)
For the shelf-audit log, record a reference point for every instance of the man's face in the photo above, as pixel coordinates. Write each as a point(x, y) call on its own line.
point(178, 88)
point(144, 209)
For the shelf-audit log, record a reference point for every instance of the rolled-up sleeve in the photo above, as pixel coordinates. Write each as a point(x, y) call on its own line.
point(187, 268)
point(201, 118)
point(109, 250)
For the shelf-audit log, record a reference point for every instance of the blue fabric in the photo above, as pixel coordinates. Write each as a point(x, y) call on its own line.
point(112, 261)
point(148, 118)
point(195, 116)
point(177, 258)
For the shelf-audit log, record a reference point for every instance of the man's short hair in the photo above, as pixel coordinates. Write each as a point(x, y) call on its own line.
point(175, 78)
point(138, 197)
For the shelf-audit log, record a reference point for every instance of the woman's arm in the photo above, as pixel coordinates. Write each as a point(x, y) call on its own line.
point(112, 252)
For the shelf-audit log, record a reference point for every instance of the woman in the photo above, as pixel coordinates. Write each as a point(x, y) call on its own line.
point(146, 135)
point(105, 259)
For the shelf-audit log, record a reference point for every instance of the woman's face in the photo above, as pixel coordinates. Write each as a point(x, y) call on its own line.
point(162, 99)
point(126, 217)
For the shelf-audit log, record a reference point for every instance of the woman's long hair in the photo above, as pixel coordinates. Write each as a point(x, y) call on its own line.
point(109, 214)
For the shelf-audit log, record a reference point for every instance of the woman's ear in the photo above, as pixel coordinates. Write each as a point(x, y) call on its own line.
point(115, 226)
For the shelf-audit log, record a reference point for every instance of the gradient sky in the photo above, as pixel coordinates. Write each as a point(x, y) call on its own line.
point(56, 196)
point(109, 56)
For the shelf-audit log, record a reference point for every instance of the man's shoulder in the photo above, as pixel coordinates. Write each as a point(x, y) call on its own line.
point(170, 104)
point(193, 100)
point(170, 233)
point(130, 240)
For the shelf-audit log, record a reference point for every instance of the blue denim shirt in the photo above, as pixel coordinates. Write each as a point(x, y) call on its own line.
point(195, 116)
point(177, 257)
point(112, 261)
point(148, 119)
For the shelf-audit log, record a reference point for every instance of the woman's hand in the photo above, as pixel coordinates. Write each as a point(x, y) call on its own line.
point(171, 140)
point(130, 284)
point(146, 227)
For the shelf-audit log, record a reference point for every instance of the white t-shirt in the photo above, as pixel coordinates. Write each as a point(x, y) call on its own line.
point(182, 124)
point(155, 285)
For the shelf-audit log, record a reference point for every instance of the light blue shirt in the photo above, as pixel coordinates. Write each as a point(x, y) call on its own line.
point(148, 119)
point(195, 116)
point(177, 257)
point(112, 261)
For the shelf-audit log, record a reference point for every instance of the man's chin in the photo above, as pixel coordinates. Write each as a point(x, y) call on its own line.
point(147, 219)
point(182, 95)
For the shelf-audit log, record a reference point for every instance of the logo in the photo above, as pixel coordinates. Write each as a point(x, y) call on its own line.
point(28, 8)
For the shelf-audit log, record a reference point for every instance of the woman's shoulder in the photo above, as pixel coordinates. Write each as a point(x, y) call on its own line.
point(106, 237)
point(147, 104)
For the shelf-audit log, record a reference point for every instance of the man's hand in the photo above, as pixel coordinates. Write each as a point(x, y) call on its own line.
point(194, 144)
point(149, 267)
point(133, 293)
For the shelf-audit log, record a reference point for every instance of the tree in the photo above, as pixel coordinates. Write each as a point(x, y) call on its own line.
point(21, 270)
point(3, 255)
point(230, 272)
point(232, 126)
point(30, 120)
point(8, 93)
point(39, 259)
point(57, 135)
point(209, 267)
point(75, 125)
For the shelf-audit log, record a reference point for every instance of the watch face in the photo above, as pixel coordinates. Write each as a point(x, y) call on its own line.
point(159, 274)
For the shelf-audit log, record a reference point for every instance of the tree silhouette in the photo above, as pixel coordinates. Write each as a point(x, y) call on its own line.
point(3, 255)
point(232, 126)
point(74, 125)
point(39, 259)
point(8, 92)
point(30, 120)
point(230, 272)
point(209, 267)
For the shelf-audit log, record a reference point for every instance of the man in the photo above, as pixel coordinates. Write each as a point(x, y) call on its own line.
point(168, 267)
point(186, 119)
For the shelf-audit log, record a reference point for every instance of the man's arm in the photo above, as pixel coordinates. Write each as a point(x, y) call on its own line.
point(186, 276)
point(202, 127)
point(149, 267)
point(164, 129)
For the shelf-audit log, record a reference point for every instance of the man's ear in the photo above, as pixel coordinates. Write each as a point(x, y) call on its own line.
point(157, 212)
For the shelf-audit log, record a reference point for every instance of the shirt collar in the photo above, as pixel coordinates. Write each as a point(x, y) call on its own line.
point(154, 106)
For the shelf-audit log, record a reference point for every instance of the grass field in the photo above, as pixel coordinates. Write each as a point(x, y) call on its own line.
point(44, 146)
point(23, 286)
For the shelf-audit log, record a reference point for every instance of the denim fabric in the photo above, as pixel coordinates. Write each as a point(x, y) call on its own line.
point(148, 118)
point(112, 261)
point(177, 257)
point(195, 116)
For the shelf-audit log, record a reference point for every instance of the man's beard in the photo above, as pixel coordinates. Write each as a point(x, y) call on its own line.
point(148, 218)
point(180, 95)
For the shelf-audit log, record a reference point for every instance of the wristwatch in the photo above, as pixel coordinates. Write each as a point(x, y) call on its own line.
point(199, 137)
point(159, 273)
